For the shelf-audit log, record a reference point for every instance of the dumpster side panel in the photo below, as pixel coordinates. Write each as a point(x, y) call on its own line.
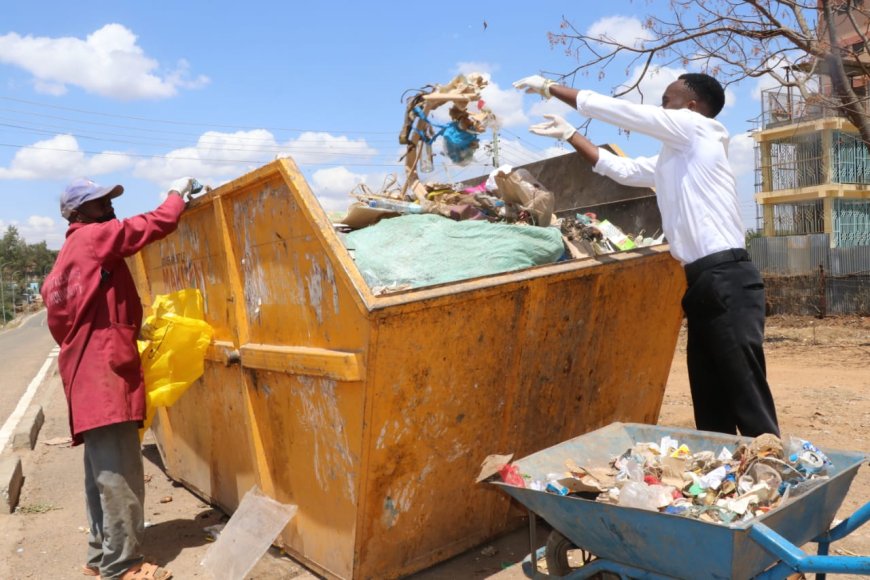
point(303, 339)
point(204, 438)
point(507, 369)
point(598, 350)
point(310, 429)
point(282, 399)
point(440, 393)
point(291, 292)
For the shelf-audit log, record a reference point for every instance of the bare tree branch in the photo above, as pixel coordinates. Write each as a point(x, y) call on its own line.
point(792, 42)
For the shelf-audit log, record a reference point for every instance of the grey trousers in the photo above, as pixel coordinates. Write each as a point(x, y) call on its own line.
point(115, 493)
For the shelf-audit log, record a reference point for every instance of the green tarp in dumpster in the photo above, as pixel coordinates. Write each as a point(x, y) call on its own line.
point(422, 250)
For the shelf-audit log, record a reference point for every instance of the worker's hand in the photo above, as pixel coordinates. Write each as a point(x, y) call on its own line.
point(556, 127)
point(183, 186)
point(535, 85)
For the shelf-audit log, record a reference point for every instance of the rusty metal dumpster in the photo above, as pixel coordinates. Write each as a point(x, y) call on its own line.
point(374, 413)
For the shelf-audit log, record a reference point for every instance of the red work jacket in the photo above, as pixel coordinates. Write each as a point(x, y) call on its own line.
point(94, 314)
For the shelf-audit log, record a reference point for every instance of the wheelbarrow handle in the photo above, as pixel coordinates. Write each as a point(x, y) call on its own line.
point(847, 526)
point(793, 559)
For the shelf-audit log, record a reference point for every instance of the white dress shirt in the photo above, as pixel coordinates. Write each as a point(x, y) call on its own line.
point(695, 186)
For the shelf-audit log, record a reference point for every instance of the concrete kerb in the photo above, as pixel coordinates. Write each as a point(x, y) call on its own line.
point(23, 439)
point(27, 432)
point(11, 480)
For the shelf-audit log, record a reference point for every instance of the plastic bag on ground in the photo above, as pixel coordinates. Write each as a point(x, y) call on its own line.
point(173, 352)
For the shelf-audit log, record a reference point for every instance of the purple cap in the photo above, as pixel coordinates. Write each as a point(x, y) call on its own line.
point(82, 190)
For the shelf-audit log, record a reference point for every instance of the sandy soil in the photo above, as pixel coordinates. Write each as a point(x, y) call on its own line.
point(819, 372)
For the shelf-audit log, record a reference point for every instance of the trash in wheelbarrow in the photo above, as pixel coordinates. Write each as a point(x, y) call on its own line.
point(636, 542)
point(665, 475)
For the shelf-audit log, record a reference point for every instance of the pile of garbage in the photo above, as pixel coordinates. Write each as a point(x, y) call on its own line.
point(594, 237)
point(725, 488)
point(509, 196)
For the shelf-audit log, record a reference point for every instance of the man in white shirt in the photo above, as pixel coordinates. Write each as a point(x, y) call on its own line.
point(697, 198)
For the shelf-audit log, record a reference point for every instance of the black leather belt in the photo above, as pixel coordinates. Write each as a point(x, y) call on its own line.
point(695, 269)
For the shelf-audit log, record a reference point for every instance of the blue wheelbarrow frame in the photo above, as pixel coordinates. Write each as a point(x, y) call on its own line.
point(636, 543)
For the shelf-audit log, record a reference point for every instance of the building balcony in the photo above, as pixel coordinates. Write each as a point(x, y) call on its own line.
point(782, 106)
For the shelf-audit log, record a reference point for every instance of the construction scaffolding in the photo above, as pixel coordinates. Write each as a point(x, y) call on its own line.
point(796, 162)
point(790, 219)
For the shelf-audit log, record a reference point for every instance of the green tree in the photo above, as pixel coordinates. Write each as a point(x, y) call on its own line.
point(21, 266)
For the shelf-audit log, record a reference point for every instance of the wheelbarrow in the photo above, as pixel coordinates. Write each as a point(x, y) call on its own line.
point(625, 542)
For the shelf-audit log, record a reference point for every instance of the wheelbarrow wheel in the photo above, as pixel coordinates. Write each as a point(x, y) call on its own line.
point(563, 557)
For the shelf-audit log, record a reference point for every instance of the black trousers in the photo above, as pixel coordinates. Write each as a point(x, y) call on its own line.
point(724, 306)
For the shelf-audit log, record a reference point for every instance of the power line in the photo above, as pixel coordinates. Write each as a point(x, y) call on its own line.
point(326, 149)
point(173, 122)
point(197, 136)
point(201, 159)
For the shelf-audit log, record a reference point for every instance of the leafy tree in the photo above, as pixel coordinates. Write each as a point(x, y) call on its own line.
point(788, 40)
point(21, 264)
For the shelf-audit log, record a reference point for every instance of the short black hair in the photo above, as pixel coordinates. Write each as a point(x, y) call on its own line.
point(707, 89)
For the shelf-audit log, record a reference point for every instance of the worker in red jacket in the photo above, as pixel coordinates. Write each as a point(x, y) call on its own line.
point(94, 314)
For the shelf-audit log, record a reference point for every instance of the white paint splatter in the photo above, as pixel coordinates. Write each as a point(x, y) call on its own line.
point(314, 284)
point(333, 460)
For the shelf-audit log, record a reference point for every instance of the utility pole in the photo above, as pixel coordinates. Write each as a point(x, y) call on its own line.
point(495, 162)
point(2, 295)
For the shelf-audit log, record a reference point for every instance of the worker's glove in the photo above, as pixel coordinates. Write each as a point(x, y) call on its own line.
point(184, 186)
point(556, 127)
point(535, 85)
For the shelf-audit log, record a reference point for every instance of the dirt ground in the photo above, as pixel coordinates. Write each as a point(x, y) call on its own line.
point(819, 372)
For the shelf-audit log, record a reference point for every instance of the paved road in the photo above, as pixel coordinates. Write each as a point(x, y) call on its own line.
point(23, 350)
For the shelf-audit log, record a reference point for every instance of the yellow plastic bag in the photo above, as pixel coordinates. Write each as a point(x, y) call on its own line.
point(175, 338)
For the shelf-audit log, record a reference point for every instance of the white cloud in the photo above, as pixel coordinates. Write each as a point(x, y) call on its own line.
point(506, 104)
point(313, 148)
point(219, 156)
point(484, 68)
point(552, 107)
point(741, 154)
point(59, 158)
point(624, 30)
point(333, 186)
point(37, 229)
point(109, 62)
point(653, 85)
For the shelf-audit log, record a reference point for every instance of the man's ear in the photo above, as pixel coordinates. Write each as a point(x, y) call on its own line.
point(698, 107)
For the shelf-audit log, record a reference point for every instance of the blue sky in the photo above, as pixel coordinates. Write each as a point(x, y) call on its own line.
point(142, 93)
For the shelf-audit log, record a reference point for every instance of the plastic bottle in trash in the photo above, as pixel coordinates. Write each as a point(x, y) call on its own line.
point(638, 495)
point(426, 165)
point(396, 205)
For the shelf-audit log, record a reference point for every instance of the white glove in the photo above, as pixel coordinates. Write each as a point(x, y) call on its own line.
point(183, 185)
point(535, 85)
point(556, 127)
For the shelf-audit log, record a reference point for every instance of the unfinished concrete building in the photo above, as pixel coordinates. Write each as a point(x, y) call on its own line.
point(812, 167)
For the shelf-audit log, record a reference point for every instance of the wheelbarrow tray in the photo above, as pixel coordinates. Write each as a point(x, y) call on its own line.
point(666, 544)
